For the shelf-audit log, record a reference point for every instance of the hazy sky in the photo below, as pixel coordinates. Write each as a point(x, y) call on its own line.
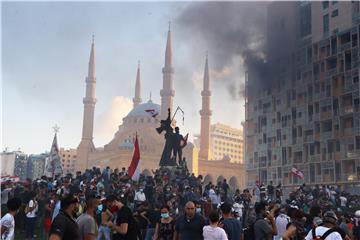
point(45, 54)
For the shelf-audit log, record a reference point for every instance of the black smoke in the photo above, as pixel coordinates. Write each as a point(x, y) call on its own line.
point(234, 33)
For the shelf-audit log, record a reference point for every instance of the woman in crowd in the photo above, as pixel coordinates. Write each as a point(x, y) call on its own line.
point(164, 229)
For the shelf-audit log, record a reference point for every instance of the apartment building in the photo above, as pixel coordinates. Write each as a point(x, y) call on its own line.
point(308, 117)
point(68, 160)
point(226, 143)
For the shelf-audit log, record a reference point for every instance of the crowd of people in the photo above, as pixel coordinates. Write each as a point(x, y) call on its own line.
point(172, 204)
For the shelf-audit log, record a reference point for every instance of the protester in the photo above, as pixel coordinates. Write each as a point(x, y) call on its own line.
point(139, 212)
point(64, 226)
point(105, 220)
point(327, 231)
point(31, 210)
point(264, 226)
point(164, 229)
point(282, 221)
point(190, 225)
point(88, 228)
point(8, 220)
point(125, 227)
point(213, 231)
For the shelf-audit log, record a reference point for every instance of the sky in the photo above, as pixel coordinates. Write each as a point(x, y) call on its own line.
point(45, 54)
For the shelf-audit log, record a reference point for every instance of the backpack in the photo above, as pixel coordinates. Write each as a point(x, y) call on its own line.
point(249, 232)
point(324, 236)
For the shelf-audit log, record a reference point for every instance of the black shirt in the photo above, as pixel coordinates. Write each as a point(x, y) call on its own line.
point(65, 227)
point(190, 228)
point(124, 215)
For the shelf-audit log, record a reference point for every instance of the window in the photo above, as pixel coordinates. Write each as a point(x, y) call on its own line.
point(325, 4)
point(334, 2)
point(335, 13)
point(326, 23)
point(305, 20)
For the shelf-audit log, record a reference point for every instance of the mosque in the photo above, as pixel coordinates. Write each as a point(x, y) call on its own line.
point(118, 152)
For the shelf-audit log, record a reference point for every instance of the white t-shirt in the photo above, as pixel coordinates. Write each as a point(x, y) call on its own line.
point(343, 201)
point(140, 196)
point(5, 195)
point(32, 214)
point(214, 233)
point(8, 221)
point(281, 221)
point(321, 231)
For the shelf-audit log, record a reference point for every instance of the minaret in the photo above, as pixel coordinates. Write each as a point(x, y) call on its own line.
point(137, 99)
point(86, 145)
point(167, 93)
point(205, 113)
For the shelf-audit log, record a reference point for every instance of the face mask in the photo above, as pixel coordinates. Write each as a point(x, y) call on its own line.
point(100, 208)
point(141, 190)
point(198, 210)
point(165, 215)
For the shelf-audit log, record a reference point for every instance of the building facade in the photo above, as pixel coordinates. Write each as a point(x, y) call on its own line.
point(8, 163)
point(36, 165)
point(21, 165)
point(226, 143)
point(309, 116)
point(142, 120)
point(68, 160)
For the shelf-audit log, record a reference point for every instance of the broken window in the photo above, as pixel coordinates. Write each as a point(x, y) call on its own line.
point(347, 61)
point(327, 126)
point(333, 45)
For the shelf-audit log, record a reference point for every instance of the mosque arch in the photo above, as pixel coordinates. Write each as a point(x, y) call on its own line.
point(208, 178)
point(220, 179)
point(233, 182)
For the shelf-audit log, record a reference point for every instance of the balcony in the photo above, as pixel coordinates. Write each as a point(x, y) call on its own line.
point(326, 135)
point(345, 46)
point(355, 154)
point(346, 110)
point(325, 115)
point(315, 158)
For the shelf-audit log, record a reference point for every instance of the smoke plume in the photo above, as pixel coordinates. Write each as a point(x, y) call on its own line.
point(234, 34)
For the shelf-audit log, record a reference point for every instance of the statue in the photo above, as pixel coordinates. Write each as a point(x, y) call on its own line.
point(165, 125)
point(177, 147)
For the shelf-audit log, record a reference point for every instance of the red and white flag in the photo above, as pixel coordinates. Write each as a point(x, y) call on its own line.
point(297, 173)
point(183, 141)
point(152, 112)
point(134, 168)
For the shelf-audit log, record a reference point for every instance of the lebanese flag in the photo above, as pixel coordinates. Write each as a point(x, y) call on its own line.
point(297, 173)
point(134, 168)
point(183, 141)
point(152, 112)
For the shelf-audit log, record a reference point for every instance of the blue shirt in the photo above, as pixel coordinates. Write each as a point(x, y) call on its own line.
point(233, 228)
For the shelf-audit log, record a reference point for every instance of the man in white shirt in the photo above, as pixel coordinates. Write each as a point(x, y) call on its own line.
point(281, 222)
point(326, 231)
point(8, 221)
point(343, 201)
point(140, 196)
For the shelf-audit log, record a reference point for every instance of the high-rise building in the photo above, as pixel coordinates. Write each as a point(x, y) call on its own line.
point(21, 165)
point(68, 160)
point(305, 112)
point(226, 143)
point(36, 165)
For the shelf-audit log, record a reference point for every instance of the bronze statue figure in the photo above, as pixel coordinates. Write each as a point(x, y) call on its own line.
point(166, 159)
